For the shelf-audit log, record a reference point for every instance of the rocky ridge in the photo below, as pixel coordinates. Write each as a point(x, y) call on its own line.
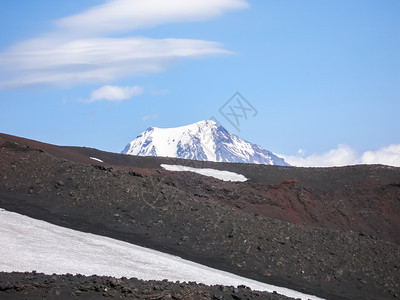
point(148, 206)
point(40, 286)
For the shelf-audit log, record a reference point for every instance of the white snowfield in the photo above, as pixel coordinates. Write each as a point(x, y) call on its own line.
point(221, 175)
point(205, 141)
point(98, 159)
point(28, 244)
point(165, 141)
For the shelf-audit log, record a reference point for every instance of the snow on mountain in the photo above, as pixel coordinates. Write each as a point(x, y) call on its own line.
point(96, 159)
point(218, 174)
point(204, 141)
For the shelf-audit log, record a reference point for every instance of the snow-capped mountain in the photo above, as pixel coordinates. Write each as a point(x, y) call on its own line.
point(203, 140)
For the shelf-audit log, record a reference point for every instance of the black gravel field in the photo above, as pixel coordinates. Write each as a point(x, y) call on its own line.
point(331, 232)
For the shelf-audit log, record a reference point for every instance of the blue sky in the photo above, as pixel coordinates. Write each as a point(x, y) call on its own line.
point(324, 76)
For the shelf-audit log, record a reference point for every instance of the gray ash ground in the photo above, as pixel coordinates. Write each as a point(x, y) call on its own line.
point(331, 232)
point(39, 286)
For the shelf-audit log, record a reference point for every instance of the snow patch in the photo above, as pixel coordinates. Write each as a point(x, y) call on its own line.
point(94, 158)
point(29, 244)
point(222, 175)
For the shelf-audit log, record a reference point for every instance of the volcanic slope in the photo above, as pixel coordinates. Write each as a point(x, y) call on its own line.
point(279, 227)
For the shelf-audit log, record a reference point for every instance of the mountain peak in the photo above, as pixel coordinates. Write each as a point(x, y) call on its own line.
point(200, 124)
point(207, 123)
point(203, 140)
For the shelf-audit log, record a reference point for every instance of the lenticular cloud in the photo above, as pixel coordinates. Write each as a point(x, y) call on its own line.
point(81, 48)
point(126, 15)
point(69, 62)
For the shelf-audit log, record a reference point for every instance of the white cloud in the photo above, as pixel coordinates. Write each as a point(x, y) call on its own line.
point(301, 152)
point(387, 156)
point(65, 62)
point(80, 50)
point(344, 155)
point(125, 15)
point(115, 93)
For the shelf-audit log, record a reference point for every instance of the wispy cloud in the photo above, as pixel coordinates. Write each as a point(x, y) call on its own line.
point(67, 62)
point(81, 49)
point(344, 155)
point(115, 93)
point(126, 15)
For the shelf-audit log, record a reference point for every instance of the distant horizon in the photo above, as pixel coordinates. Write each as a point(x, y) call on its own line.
point(361, 160)
point(315, 83)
